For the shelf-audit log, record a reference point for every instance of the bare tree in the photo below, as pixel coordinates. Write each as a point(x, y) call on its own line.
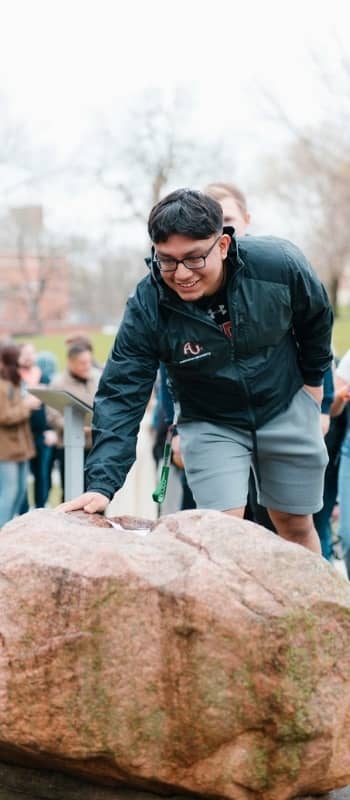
point(15, 155)
point(24, 163)
point(98, 294)
point(312, 177)
point(314, 185)
point(152, 150)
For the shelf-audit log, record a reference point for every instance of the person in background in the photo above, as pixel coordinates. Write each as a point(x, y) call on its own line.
point(16, 441)
point(43, 437)
point(333, 428)
point(80, 378)
point(234, 205)
point(47, 362)
point(80, 337)
point(235, 210)
point(29, 369)
point(340, 403)
point(6, 339)
point(236, 215)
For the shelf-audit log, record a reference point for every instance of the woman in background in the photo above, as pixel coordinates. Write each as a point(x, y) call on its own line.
point(16, 441)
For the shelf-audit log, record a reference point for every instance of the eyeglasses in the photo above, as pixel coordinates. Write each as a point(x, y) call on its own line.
point(192, 262)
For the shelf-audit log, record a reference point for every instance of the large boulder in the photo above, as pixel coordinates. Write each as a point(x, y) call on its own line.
point(207, 656)
point(25, 783)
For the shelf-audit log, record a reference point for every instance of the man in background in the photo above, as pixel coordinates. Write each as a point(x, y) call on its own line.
point(80, 378)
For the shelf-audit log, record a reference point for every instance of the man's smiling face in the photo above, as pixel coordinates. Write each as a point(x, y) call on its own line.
point(204, 258)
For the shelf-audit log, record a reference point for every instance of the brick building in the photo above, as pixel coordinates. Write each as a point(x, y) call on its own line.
point(34, 293)
point(34, 277)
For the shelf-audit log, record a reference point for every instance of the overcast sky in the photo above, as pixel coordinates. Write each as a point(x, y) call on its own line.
point(64, 63)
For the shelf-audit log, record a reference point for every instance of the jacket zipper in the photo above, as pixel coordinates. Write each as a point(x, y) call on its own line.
point(242, 379)
point(212, 324)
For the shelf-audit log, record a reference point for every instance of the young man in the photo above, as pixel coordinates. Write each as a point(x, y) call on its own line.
point(244, 331)
point(235, 214)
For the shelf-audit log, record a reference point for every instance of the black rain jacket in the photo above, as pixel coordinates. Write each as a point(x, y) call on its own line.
point(281, 339)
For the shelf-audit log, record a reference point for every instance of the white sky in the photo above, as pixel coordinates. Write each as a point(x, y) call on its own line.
point(64, 63)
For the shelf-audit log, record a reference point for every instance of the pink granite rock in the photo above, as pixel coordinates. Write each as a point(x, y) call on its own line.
point(208, 655)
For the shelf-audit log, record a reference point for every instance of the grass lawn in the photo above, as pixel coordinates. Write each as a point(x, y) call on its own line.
point(341, 332)
point(102, 343)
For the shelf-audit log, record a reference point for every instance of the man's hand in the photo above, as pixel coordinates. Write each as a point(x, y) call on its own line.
point(341, 397)
point(316, 392)
point(344, 393)
point(176, 452)
point(325, 420)
point(91, 502)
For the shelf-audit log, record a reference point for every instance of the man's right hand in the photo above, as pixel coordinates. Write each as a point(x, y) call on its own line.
point(91, 502)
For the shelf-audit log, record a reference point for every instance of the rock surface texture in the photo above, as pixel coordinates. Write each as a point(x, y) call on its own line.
point(208, 656)
point(24, 783)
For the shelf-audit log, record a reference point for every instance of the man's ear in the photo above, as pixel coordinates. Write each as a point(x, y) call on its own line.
point(224, 244)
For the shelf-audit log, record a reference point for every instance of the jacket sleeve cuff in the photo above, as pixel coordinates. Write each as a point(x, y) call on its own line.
point(311, 379)
point(101, 490)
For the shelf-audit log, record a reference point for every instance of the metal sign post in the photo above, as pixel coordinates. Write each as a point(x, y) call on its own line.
point(76, 415)
point(73, 439)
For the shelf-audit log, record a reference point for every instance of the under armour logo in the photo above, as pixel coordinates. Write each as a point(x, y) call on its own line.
point(192, 349)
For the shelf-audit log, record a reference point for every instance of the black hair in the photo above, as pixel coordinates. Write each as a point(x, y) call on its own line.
point(185, 212)
point(77, 347)
point(79, 338)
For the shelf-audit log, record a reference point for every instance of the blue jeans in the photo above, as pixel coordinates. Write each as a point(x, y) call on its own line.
point(344, 499)
point(13, 487)
point(322, 519)
point(39, 467)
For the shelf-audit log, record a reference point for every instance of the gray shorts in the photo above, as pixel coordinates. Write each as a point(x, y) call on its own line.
point(291, 453)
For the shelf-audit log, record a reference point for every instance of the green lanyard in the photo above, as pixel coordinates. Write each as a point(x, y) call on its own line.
point(160, 490)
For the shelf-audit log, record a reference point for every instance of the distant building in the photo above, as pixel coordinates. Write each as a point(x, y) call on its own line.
point(34, 293)
point(34, 278)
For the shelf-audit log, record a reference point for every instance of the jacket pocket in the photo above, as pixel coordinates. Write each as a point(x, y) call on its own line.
point(191, 361)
